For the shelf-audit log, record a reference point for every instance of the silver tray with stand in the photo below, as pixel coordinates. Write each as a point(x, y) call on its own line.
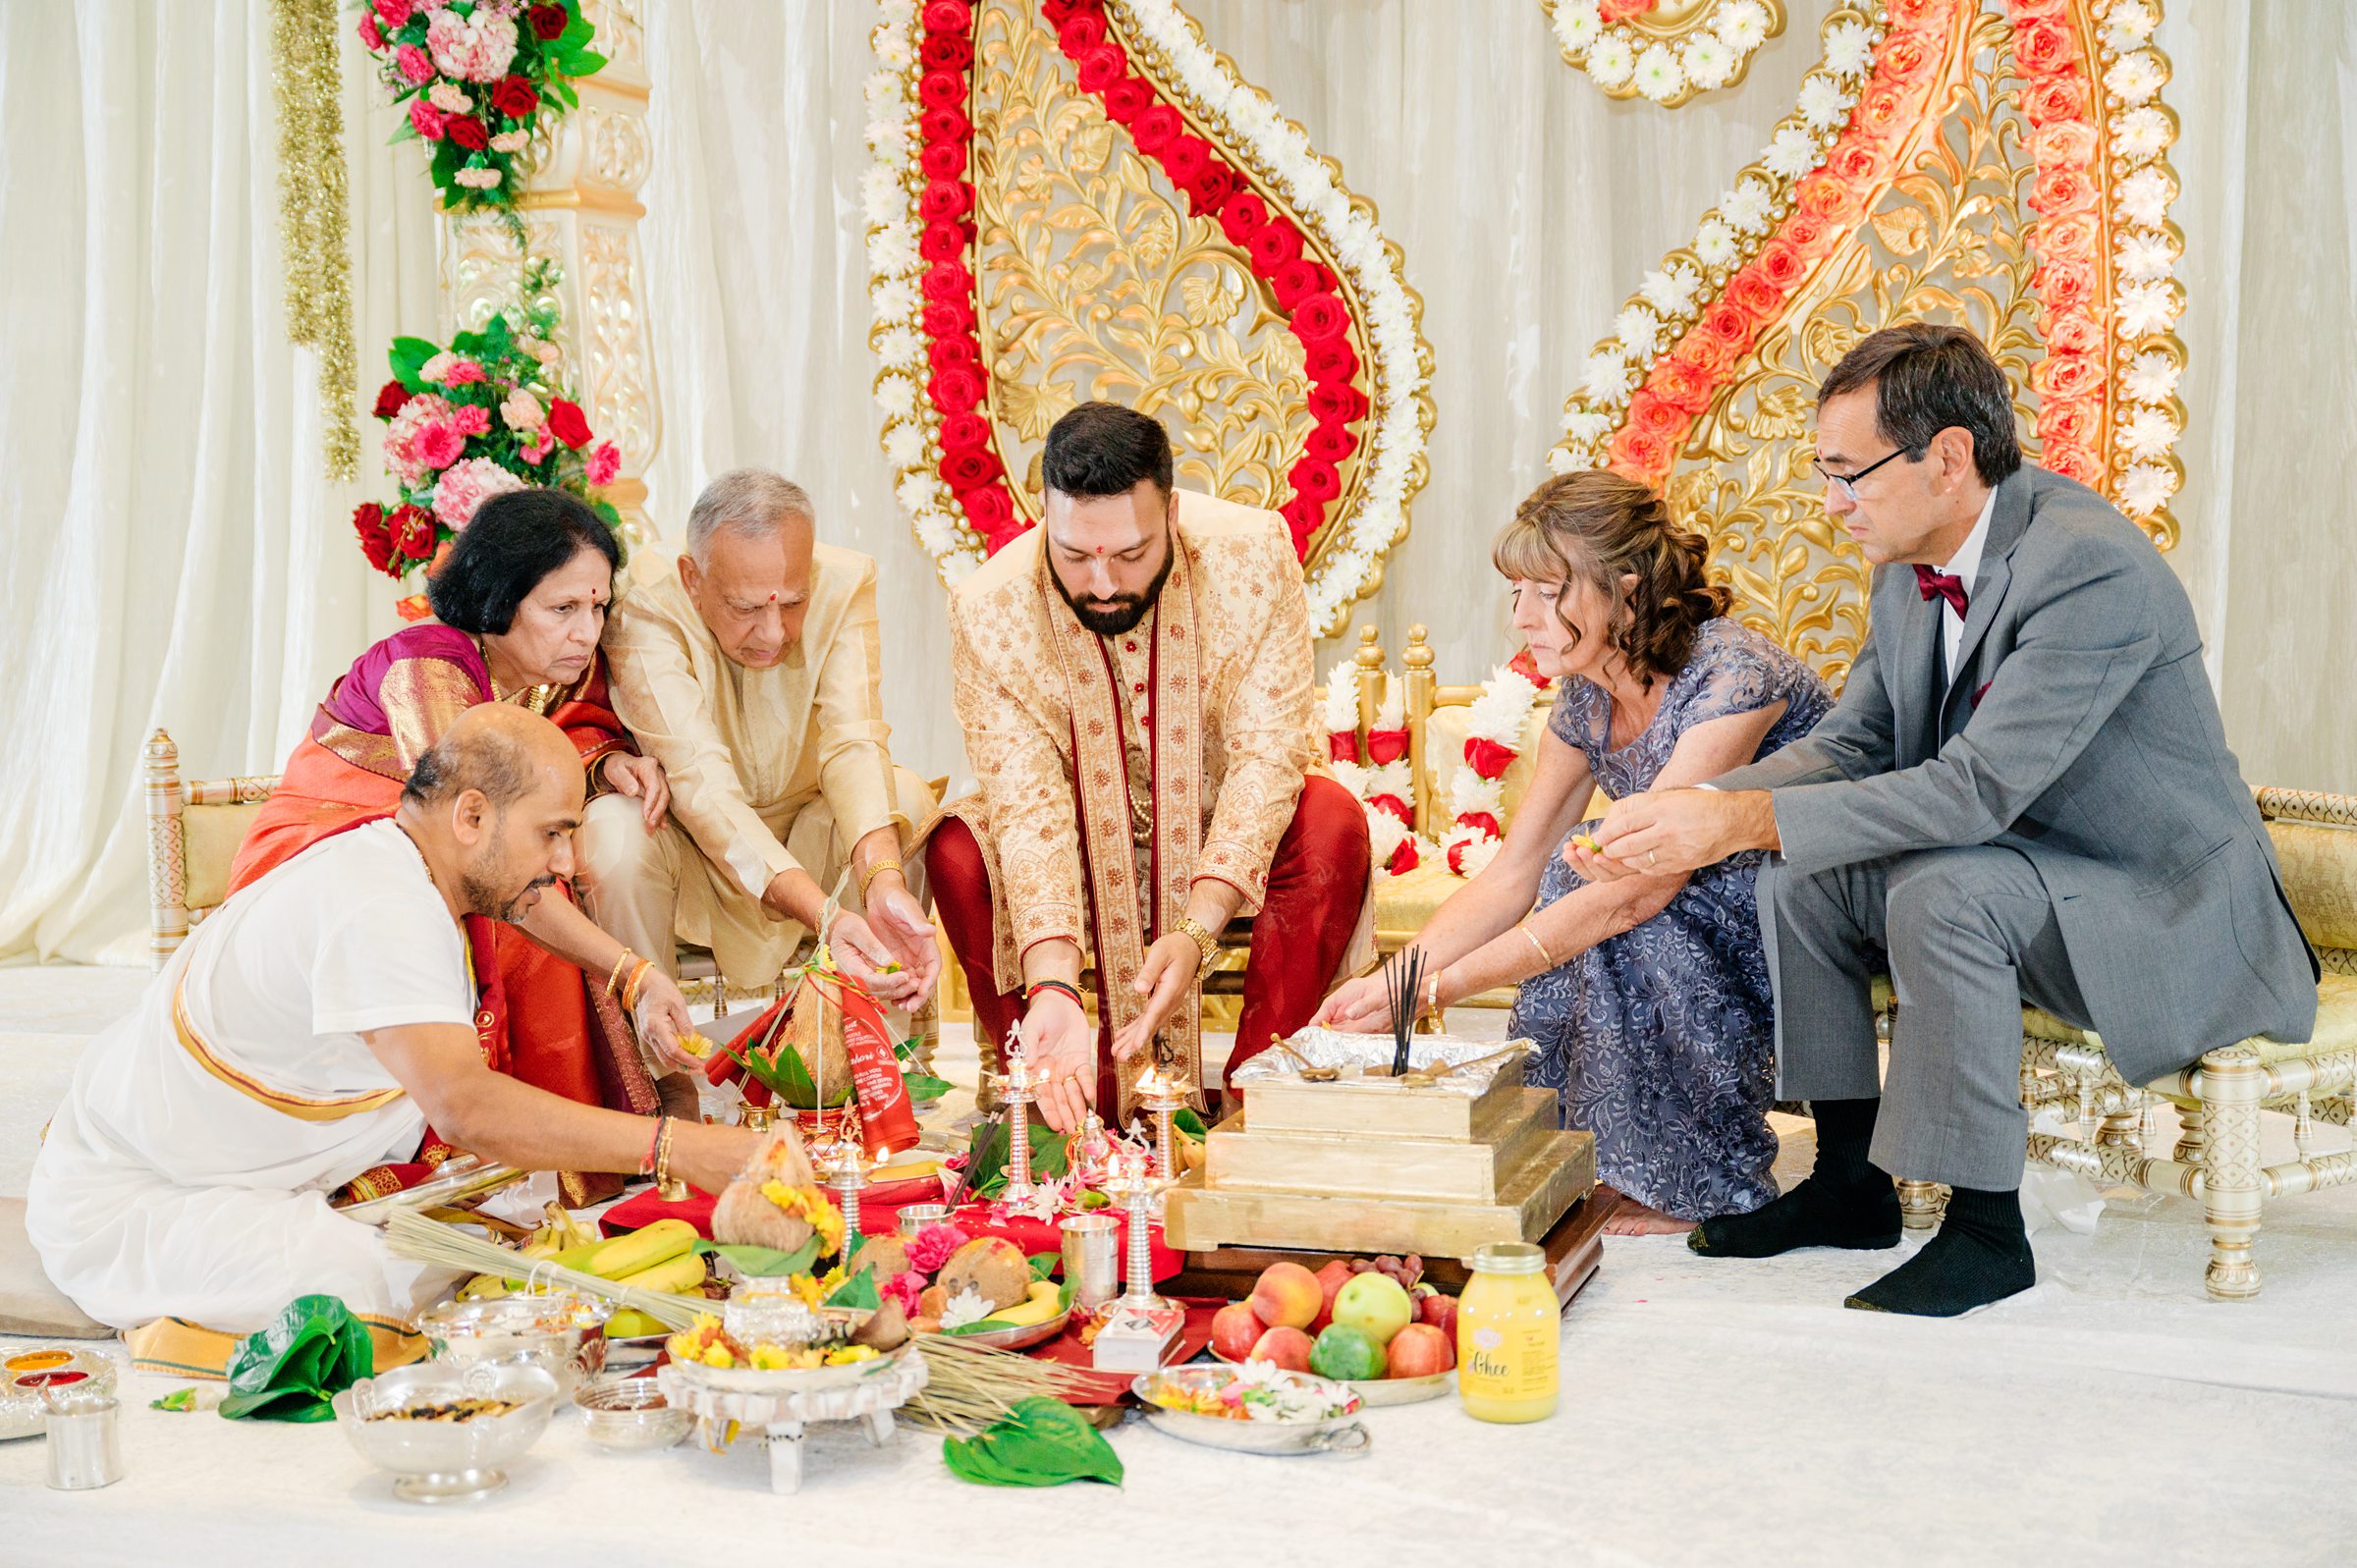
point(460, 1180)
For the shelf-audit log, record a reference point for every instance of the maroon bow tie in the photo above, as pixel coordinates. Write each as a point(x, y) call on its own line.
point(1942, 585)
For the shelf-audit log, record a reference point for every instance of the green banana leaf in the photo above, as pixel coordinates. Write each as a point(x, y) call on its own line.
point(1040, 1442)
point(764, 1262)
point(986, 1168)
point(291, 1370)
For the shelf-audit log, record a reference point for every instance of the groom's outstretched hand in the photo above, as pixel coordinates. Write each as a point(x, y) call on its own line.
point(1662, 833)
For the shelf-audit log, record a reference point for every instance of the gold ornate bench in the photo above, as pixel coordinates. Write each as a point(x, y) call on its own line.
point(2218, 1100)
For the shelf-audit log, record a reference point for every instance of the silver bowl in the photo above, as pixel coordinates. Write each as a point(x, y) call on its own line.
point(630, 1415)
point(446, 1461)
point(1338, 1433)
point(562, 1334)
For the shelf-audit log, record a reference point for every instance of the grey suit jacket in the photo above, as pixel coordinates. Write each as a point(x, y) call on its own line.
point(2079, 730)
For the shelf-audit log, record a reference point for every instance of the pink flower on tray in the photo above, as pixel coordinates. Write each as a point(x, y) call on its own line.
point(415, 68)
point(466, 486)
point(931, 1247)
point(604, 463)
point(906, 1287)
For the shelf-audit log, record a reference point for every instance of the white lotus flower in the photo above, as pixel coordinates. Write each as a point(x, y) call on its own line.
point(2144, 197)
point(2144, 308)
point(1822, 102)
point(2146, 488)
point(2152, 377)
point(1749, 205)
point(2147, 254)
point(1659, 76)
point(1714, 244)
point(1639, 330)
point(1611, 60)
point(1578, 24)
point(1607, 375)
point(1791, 154)
point(2140, 134)
point(1848, 49)
point(1707, 61)
point(2135, 77)
point(897, 397)
point(2148, 433)
point(1743, 25)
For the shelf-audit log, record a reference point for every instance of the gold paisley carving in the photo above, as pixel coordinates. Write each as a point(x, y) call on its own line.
point(1941, 245)
point(1096, 283)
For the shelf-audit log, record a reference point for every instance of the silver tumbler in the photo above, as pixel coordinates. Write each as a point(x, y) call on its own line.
point(85, 1451)
point(1091, 1252)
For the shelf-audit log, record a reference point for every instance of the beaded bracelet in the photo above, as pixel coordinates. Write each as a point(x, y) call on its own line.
point(646, 1167)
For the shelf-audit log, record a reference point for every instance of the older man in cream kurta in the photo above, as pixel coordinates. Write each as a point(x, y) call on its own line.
point(753, 679)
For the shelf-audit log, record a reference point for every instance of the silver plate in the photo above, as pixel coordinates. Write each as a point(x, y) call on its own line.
point(1337, 1435)
point(466, 1176)
point(1358, 1055)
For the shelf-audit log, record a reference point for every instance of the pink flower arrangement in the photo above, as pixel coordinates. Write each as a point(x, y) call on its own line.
point(467, 422)
point(904, 1288)
point(475, 79)
point(931, 1247)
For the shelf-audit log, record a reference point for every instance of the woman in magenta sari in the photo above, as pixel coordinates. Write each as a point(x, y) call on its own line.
point(520, 603)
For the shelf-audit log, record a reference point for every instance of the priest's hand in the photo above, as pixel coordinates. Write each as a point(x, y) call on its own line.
point(1361, 1006)
point(1061, 1048)
point(902, 924)
point(870, 960)
point(1663, 832)
point(1163, 980)
point(641, 778)
point(662, 1020)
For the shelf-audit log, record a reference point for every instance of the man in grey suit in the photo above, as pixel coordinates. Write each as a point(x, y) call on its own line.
point(2024, 795)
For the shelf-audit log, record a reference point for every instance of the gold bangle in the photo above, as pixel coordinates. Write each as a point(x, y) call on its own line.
point(663, 1152)
point(873, 872)
point(614, 980)
point(631, 986)
point(1545, 956)
point(1205, 942)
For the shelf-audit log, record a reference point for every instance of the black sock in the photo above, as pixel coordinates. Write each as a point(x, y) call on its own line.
point(1980, 1255)
point(1846, 1202)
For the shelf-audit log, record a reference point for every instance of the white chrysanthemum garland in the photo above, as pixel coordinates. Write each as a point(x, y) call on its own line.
point(1270, 151)
point(1379, 774)
point(2132, 348)
point(1626, 62)
point(1496, 724)
point(1695, 280)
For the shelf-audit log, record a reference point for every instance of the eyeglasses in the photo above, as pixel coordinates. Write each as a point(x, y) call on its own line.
point(1847, 483)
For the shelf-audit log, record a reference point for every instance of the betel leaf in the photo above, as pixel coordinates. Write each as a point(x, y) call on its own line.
point(764, 1262)
point(1043, 1263)
point(986, 1172)
point(1187, 1121)
point(409, 357)
point(1040, 1442)
point(923, 1087)
point(858, 1291)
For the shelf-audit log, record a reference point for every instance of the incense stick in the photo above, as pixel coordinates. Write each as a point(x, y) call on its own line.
point(1402, 983)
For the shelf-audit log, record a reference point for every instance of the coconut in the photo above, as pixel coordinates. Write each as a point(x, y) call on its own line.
point(992, 1268)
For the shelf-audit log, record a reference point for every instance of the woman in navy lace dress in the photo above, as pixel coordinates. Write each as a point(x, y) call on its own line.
point(1648, 997)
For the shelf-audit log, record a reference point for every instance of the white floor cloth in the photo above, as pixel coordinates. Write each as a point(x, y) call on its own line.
point(1713, 1413)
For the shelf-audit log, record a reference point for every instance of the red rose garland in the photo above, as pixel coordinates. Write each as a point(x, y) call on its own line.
point(1306, 291)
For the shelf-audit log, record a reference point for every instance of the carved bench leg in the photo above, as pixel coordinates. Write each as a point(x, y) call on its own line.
point(1921, 1203)
point(2231, 1084)
point(2193, 1136)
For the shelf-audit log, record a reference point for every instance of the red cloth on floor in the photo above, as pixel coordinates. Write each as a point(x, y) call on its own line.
point(1317, 883)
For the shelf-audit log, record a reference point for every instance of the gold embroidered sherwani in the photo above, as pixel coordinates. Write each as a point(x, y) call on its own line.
point(769, 770)
point(1117, 771)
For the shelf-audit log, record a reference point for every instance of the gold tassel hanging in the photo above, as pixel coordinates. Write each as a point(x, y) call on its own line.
point(313, 214)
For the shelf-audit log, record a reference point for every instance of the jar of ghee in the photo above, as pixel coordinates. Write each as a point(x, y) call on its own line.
point(1508, 1321)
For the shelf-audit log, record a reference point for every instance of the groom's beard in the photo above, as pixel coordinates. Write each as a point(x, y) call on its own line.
point(1111, 618)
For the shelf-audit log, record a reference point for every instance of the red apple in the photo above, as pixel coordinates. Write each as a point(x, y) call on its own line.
point(1419, 1350)
point(1288, 1348)
point(1441, 1312)
point(1331, 1278)
point(1285, 1296)
point(1235, 1330)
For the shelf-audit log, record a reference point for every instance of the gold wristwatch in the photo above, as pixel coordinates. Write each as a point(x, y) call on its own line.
point(1200, 934)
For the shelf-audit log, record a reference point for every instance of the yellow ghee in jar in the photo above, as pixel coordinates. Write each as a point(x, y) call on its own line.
point(1508, 1321)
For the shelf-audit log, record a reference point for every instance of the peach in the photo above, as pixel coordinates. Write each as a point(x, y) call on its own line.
point(1286, 1296)
point(1288, 1348)
point(1419, 1350)
point(1235, 1329)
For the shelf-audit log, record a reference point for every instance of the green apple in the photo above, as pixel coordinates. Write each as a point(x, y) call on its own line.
point(1345, 1352)
point(1374, 1305)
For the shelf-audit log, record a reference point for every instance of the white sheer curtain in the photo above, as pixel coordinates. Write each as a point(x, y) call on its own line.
point(174, 556)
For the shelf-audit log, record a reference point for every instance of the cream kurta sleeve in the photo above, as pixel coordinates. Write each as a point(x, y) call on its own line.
point(1027, 790)
point(661, 702)
point(1263, 732)
point(854, 759)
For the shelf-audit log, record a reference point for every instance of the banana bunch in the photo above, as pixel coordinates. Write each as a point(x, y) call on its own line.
point(1038, 1305)
point(660, 1257)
